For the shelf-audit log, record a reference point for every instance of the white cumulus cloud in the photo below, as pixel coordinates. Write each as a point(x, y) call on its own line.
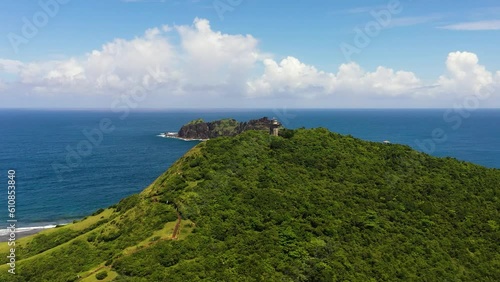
point(213, 60)
point(293, 77)
point(465, 75)
point(10, 66)
point(196, 62)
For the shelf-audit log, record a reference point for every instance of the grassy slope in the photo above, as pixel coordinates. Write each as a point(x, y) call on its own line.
point(78, 226)
point(75, 250)
point(316, 206)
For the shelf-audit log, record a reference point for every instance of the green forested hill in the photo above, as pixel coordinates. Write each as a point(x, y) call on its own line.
point(309, 205)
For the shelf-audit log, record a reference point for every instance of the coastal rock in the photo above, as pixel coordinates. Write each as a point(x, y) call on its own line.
point(198, 129)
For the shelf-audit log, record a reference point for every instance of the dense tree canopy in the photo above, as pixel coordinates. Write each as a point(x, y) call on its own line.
point(309, 205)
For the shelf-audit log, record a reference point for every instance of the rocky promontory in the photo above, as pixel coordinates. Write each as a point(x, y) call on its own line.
point(199, 129)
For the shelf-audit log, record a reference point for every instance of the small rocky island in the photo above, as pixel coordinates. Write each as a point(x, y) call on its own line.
point(200, 130)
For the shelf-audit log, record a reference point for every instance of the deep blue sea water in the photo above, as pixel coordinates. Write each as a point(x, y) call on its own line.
point(131, 156)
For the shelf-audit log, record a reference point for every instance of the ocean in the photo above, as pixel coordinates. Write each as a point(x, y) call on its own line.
point(70, 163)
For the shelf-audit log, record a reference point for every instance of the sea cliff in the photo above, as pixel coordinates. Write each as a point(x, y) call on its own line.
point(199, 129)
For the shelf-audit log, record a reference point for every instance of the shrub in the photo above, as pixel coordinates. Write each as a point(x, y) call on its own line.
point(277, 144)
point(98, 212)
point(101, 275)
point(128, 203)
point(286, 133)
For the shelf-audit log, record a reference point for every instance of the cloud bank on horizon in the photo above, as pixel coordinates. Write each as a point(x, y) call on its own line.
point(231, 69)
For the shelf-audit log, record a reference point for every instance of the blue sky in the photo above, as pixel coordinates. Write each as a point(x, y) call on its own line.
point(426, 54)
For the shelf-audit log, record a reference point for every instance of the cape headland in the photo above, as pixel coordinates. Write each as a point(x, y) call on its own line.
point(307, 205)
point(200, 130)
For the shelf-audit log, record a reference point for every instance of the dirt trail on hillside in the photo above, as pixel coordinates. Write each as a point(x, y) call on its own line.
point(177, 225)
